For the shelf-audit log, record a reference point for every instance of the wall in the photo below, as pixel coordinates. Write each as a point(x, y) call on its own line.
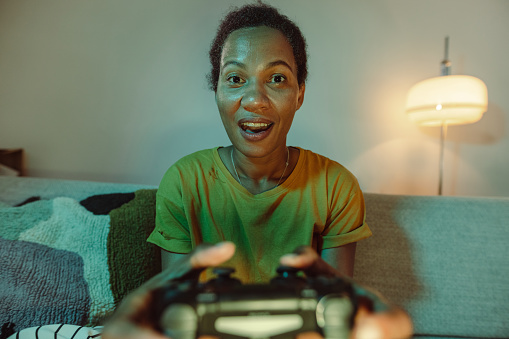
point(115, 90)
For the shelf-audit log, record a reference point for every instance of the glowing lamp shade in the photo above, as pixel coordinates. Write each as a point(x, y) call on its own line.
point(450, 100)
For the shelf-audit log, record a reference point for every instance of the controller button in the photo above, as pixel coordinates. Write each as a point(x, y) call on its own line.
point(287, 271)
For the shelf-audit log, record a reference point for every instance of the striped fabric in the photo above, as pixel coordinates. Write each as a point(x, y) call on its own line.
point(58, 331)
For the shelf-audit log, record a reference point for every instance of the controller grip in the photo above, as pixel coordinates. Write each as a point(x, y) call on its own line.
point(337, 314)
point(179, 321)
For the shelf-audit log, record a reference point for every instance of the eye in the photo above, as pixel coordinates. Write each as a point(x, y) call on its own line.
point(278, 78)
point(235, 80)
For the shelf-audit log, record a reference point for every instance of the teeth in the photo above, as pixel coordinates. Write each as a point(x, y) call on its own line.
point(255, 124)
point(255, 127)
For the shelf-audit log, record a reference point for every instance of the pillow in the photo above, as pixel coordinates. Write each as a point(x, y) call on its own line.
point(61, 263)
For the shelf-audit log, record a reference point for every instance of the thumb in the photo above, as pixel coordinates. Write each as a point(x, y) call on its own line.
point(191, 265)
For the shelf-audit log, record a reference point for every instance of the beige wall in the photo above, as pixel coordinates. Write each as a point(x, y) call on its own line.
point(114, 90)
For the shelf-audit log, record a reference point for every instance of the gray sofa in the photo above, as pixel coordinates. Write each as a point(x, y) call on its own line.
point(71, 250)
point(444, 259)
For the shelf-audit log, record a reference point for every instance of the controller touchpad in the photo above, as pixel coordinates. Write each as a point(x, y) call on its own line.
point(259, 326)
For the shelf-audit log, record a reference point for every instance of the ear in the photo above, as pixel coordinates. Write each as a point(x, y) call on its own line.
point(300, 98)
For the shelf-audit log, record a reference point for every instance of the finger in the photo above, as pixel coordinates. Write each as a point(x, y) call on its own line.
point(213, 256)
point(203, 256)
point(393, 324)
point(191, 265)
point(303, 257)
point(306, 259)
point(308, 335)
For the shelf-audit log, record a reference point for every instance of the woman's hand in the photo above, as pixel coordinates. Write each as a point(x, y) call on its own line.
point(133, 319)
point(385, 322)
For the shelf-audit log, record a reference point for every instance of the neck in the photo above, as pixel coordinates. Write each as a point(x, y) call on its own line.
point(261, 173)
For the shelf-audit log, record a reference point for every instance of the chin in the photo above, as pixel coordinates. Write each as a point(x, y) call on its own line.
point(255, 150)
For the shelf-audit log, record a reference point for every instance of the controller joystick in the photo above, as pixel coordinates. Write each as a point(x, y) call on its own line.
point(223, 272)
point(288, 305)
point(288, 277)
point(224, 278)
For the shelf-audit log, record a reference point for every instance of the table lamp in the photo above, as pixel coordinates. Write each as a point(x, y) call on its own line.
point(447, 100)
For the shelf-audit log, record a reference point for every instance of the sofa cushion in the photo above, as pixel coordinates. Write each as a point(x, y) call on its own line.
point(63, 263)
point(444, 259)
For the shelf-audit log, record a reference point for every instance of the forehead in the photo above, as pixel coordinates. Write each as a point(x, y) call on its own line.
point(257, 44)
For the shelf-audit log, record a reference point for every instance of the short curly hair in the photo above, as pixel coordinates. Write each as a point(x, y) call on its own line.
point(255, 15)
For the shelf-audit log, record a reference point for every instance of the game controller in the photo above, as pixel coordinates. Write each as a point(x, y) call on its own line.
point(288, 305)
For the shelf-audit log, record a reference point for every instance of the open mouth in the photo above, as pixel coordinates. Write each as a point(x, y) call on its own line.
point(255, 127)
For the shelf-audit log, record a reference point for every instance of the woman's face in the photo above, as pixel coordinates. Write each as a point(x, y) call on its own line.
point(257, 92)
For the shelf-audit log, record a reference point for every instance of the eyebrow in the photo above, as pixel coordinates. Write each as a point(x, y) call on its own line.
point(279, 63)
point(235, 63)
point(269, 65)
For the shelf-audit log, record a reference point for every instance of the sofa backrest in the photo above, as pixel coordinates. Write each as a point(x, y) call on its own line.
point(444, 259)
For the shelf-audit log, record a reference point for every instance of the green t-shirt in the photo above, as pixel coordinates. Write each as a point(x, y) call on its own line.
point(320, 205)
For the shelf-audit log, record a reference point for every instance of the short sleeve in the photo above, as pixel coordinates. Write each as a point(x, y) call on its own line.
point(347, 220)
point(171, 230)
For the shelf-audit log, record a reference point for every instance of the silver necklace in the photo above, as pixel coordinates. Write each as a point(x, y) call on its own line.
point(286, 166)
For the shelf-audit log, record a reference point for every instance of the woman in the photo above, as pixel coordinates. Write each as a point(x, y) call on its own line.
point(258, 199)
point(264, 196)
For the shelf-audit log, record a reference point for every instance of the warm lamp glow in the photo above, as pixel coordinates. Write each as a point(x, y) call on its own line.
point(449, 100)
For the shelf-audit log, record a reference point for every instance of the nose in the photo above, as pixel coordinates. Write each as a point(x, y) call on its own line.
point(255, 97)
